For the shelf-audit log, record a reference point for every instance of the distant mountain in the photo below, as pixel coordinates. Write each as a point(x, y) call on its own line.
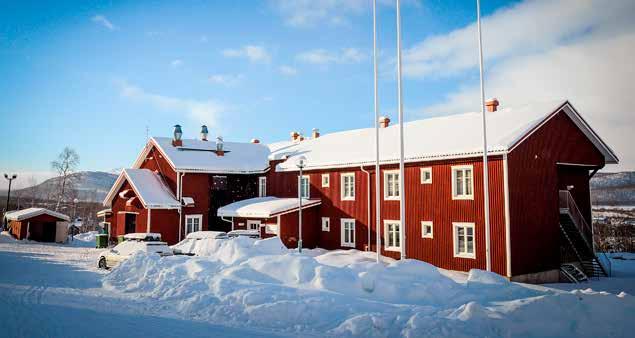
point(92, 186)
point(613, 188)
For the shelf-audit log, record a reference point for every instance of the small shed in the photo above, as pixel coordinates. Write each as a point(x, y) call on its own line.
point(38, 224)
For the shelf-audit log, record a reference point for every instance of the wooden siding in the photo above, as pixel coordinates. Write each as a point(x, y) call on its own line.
point(424, 202)
point(533, 191)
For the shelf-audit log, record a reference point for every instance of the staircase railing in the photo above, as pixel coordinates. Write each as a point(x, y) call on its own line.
point(568, 205)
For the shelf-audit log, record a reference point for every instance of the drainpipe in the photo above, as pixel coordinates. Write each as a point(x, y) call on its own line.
point(226, 220)
point(361, 167)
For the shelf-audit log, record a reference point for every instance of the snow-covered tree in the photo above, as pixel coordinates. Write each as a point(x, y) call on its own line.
point(65, 166)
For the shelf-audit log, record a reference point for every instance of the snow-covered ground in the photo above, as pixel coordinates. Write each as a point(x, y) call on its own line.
point(258, 288)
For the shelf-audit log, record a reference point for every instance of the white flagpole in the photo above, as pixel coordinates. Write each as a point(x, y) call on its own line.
point(377, 171)
point(402, 206)
point(488, 256)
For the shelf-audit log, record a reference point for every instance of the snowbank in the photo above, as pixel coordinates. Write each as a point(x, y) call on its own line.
point(86, 239)
point(5, 237)
point(261, 284)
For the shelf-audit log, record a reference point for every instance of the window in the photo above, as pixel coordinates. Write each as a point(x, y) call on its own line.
point(253, 225)
point(426, 229)
point(262, 186)
point(426, 175)
point(326, 224)
point(391, 185)
point(348, 186)
point(462, 183)
point(220, 183)
point(464, 240)
point(326, 180)
point(304, 186)
point(193, 223)
point(391, 235)
point(348, 232)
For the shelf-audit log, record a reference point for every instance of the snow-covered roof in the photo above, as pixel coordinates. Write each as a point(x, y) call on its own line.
point(264, 207)
point(453, 136)
point(19, 215)
point(148, 186)
point(199, 156)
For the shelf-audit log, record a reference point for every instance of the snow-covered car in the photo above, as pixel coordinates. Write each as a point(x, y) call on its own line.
point(245, 233)
point(194, 242)
point(135, 242)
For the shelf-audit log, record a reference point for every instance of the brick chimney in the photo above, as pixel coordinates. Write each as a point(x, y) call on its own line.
point(204, 133)
point(255, 140)
point(384, 121)
point(315, 133)
point(294, 135)
point(491, 105)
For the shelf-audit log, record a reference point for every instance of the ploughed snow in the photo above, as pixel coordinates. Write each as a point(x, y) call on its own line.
point(260, 284)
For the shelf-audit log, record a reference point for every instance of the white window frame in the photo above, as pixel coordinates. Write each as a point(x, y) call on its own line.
point(326, 224)
point(387, 235)
point(463, 196)
point(465, 225)
point(386, 173)
point(251, 222)
point(328, 180)
point(343, 177)
point(423, 172)
point(308, 186)
point(343, 221)
point(424, 234)
point(193, 217)
point(262, 186)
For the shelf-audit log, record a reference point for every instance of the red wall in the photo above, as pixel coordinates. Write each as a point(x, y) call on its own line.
point(424, 202)
point(533, 191)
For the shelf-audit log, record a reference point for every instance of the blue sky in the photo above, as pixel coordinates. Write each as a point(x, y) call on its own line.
point(93, 75)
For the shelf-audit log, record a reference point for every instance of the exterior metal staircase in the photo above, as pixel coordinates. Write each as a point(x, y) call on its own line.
point(573, 274)
point(580, 237)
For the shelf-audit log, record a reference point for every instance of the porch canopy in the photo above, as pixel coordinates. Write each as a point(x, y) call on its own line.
point(265, 207)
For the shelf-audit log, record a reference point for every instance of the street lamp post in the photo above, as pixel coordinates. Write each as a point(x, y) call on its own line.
point(75, 201)
point(10, 178)
point(300, 164)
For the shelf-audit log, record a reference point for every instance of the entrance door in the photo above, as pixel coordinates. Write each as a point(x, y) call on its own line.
point(131, 223)
point(575, 179)
point(49, 231)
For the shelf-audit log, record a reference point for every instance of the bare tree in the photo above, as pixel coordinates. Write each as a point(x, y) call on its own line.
point(65, 166)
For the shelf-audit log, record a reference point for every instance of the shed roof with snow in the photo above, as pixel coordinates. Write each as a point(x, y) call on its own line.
point(24, 214)
point(265, 207)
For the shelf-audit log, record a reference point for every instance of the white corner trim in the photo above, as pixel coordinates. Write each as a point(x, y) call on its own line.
point(508, 247)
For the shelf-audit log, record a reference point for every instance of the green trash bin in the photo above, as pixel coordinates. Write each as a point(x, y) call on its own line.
point(119, 239)
point(101, 241)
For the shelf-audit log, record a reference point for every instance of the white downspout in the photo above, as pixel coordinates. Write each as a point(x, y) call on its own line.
point(361, 167)
point(226, 220)
point(148, 220)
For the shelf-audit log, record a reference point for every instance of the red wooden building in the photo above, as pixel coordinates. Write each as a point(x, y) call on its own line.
point(540, 160)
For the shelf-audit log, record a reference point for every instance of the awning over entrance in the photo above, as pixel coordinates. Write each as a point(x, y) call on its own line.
point(265, 207)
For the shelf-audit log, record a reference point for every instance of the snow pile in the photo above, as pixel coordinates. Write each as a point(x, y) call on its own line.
point(86, 239)
point(261, 284)
point(5, 237)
